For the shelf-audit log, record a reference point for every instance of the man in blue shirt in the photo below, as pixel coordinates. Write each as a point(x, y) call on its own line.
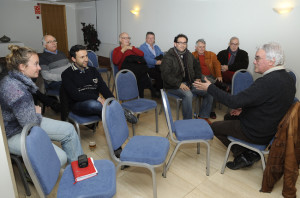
point(153, 56)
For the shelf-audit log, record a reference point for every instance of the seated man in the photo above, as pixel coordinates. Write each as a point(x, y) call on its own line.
point(259, 108)
point(53, 62)
point(83, 84)
point(232, 59)
point(210, 66)
point(179, 70)
point(130, 57)
point(153, 56)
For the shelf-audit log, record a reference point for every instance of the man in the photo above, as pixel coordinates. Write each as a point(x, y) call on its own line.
point(83, 84)
point(232, 59)
point(210, 66)
point(259, 108)
point(179, 70)
point(129, 57)
point(53, 62)
point(153, 56)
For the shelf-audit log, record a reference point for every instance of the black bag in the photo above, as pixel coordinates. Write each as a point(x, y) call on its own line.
point(130, 117)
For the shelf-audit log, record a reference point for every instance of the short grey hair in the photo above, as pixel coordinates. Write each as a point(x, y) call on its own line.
point(44, 41)
point(233, 38)
point(274, 52)
point(201, 41)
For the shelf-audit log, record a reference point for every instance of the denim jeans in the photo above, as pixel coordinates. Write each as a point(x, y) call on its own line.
point(59, 131)
point(187, 102)
point(88, 107)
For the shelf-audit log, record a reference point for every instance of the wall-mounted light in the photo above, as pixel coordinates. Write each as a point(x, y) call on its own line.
point(135, 11)
point(284, 8)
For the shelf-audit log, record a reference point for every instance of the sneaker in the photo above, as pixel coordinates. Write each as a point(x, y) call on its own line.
point(213, 115)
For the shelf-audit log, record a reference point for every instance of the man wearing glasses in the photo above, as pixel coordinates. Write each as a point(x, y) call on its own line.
point(179, 71)
point(129, 57)
point(232, 59)
point(53, 62)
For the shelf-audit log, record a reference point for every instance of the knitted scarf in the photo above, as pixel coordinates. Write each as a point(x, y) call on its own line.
point(232, 56)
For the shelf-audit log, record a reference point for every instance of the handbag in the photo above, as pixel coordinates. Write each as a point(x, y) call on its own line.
point(130, 117)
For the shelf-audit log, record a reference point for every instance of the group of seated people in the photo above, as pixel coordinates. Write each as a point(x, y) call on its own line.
point(256, 111)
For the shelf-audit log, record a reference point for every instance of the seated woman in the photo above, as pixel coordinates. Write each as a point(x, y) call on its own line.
point(18, 107)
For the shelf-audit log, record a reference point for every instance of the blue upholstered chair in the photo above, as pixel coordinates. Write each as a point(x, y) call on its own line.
point(241, 80)
point(43, 166)
point(93, 62)
point(186, 132)
point(114, 69)
point(141, 151)
point(127, 91)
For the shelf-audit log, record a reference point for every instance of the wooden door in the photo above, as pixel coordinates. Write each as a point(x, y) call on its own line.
point(54, 23)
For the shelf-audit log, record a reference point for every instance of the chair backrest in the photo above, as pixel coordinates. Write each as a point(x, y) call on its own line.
point(114, 124)
point(167, 111)
point(126, 85)
point(93, 59)
point(241, 80)
point(40, 159)
point(293, 75)
point(114, 67)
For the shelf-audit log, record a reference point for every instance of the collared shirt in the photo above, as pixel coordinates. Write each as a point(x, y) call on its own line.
point(74, 67)
point(273, 69)
point(152, 50)
point(50, 51)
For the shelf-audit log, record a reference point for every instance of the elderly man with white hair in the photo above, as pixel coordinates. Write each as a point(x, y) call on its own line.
point(259, 108)
point(53, 62)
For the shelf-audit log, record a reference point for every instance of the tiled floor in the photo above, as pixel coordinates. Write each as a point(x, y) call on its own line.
point(186, 177)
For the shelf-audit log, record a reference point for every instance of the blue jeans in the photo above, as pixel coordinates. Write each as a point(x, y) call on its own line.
point(88, 107)
point(60, 131)
point(187, 102)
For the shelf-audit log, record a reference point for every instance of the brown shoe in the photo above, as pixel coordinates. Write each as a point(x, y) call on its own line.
point(206, 119)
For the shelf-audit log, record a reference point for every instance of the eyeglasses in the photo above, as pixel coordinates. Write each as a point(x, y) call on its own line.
point(257, 58)
point(235, 44)
point(126, 38)
point(50, 42)
point(181, 43)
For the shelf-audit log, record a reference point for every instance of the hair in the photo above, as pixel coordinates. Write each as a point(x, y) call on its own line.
point(201, 41)
point(180, 35)
point(274, 52)
point(75, 49)
point(18, 55)
point(150, 33)
point(233, 38)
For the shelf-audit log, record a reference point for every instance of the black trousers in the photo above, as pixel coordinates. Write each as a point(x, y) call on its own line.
point(225, 128)
point(155, 74)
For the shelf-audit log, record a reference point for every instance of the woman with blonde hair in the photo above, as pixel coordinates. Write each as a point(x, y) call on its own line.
point(18, 107)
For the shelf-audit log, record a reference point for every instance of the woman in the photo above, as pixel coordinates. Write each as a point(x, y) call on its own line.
point(18, 107)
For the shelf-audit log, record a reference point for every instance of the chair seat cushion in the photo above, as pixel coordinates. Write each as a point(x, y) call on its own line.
point(146, 149)
point(84, 119)
point(257, 146)
point(192, 129)
point(139, 105)
point(103, 185)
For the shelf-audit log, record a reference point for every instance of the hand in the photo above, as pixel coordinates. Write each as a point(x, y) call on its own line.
point(224, 68)
point(184, 87)
point(220, 79)
point(158, 62)
point(125, 48)
point(101, 100)
point(202, 85)
point(236, 112)
point(38, 109)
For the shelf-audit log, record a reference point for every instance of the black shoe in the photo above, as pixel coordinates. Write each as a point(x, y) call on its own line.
point(239, 162)
point(252, 156)
point(91, 126)
point(213, 115)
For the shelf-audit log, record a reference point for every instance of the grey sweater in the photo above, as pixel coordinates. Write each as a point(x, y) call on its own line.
point(17, 104)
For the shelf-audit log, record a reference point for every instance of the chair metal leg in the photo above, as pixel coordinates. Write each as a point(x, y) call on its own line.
point(263, 161)
point(226, 157)
point(177, 109)
point(108, 79)
point(170, 160)
point(207, 158)
point(78, 130)
point(133, 132)
point(156, 119)
point(198, 148)
point(22, 173)
point(154, 182)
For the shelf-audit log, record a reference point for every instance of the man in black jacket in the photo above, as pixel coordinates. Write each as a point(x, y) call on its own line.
point(232, 59)
point(83, 84)
point(259, 108)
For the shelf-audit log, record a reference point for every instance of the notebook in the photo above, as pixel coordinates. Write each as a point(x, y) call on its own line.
point(83, 173)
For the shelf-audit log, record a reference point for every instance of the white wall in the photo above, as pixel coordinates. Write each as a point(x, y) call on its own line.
point(18, 21)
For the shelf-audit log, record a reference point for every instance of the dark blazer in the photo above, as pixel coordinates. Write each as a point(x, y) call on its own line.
point(241, 60)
